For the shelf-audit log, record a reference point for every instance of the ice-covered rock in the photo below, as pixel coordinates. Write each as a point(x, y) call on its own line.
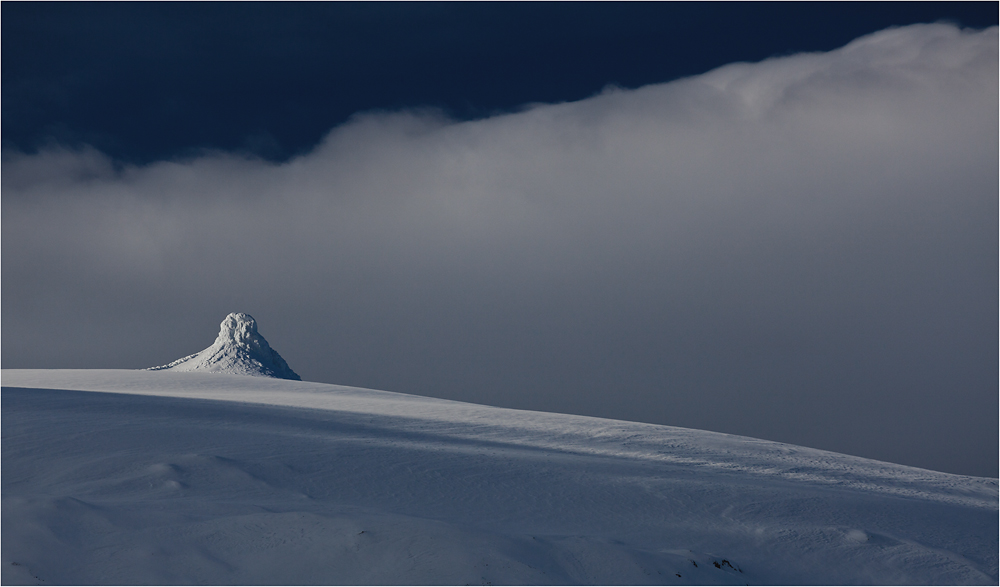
point(238, 350)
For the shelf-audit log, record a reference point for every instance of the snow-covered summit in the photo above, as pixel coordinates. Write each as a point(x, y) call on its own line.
point(238, 350)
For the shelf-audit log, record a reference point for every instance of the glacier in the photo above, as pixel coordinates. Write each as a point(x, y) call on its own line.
point(154, 477)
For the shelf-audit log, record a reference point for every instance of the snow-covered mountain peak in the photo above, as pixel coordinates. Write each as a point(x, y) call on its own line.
point(238, 350)
point(239, 328)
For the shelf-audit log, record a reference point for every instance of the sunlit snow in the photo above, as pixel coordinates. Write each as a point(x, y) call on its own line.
point(238, 350)
point(114, 476)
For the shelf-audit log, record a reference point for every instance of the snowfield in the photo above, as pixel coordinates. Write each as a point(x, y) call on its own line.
point(147, 477)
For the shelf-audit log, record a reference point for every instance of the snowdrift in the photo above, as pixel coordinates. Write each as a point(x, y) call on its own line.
point(151, 477)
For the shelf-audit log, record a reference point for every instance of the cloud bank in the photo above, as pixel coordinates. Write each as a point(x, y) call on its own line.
point(802, 249)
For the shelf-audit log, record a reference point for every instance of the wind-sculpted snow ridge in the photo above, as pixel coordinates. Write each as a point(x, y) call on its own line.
point(238, 350)
point(113, 477)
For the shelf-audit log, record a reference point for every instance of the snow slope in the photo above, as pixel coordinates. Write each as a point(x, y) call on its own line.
point(164, 477)
point(238, 350)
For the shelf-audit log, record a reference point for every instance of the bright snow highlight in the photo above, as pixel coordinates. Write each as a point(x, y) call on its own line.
point(238, 350)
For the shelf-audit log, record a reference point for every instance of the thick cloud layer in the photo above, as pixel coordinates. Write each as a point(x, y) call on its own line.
point(803, 249)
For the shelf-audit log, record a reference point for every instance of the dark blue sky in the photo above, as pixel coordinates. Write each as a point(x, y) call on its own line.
point(147, 81)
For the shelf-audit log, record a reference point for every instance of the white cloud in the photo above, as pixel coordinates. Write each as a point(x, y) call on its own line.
point(791, 228)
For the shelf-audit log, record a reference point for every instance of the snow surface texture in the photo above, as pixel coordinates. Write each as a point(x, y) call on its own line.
point(238, 350)
point(166, 477)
